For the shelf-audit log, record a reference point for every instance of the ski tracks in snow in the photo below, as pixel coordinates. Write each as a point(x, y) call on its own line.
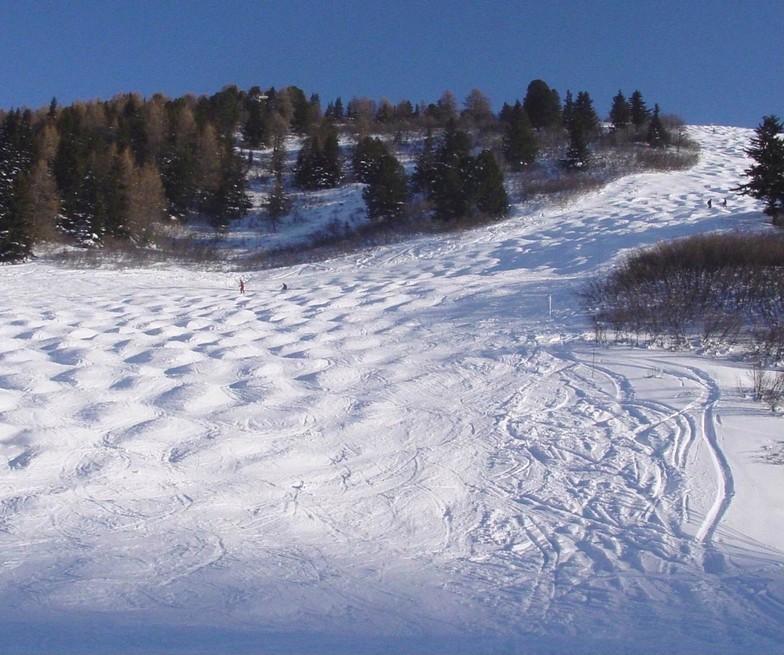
point(598, 478)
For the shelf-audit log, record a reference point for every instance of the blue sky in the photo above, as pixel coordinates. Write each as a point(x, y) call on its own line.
point(709, 61)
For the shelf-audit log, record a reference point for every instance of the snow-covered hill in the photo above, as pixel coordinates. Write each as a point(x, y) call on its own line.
point(416, 449)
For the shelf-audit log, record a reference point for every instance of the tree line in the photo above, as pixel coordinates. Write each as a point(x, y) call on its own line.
point(98, 172)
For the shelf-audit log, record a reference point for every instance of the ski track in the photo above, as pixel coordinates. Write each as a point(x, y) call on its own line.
point(406, 449)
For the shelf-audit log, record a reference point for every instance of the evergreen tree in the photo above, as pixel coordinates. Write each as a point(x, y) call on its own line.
point(16, 157)
point(178, 174)
point(229, 201)
point(586, 116)
point(387, 192)
point(254, 129)
point(620, 112)
point(115, 182)
point(278, 202)
point(519, 144)
point(567, 114)
point(330, 168)
point(578, 155)
point(319, 163)
point(766, 175)
point(385, 112)
point(223, 110)
point(658, 137)
point(132, 128)
point(83, 211)
point(542, 104)
point(70, 160)
point(638, 111)
point(491, 197)
point(404, 111)
point(366, 161)
point(278, 157)
point(16, 147)
point(300, 120)
point(422, 177)
point(335, 111)
point(505, 115)
point(16, 214)
point(452, 185)
point(305, 169)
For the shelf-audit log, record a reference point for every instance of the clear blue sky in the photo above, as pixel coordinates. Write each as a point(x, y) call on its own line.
point(709, 61)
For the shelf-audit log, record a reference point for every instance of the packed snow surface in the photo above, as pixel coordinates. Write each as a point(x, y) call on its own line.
point(415, 449)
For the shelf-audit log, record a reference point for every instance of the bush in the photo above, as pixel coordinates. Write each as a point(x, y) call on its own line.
point(719, 289)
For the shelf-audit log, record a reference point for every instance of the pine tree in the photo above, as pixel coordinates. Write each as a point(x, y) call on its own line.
point(586, 116)
point(254, 129)
point(638, 111)
point(542, 104)
point(452, 185)
point(385, 112)
point(115, 184)
point(319, 164)
point(567, 114)
point(16, 156)
point(366, 162)
point(278, 202)
point(491, 197)
point(334, 111)
point(519, 144)
point(422, 177)
point(766, 175)
point(16, 221)
point(304, 171)
point(578, 155)
point(387, 192)
point(620, 112)
point(658, 137)
point(229, 199)
point(404, 111)
point(300, 120)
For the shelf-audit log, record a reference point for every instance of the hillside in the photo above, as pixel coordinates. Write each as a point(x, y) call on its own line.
point(415, 448)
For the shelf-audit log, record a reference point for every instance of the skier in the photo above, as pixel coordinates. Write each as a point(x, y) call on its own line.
point(242, 286)
point(710, 203)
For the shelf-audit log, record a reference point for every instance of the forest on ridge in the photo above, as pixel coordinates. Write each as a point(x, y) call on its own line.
point(118, 173)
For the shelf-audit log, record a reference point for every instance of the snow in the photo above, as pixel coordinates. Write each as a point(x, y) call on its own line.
point(414, 449)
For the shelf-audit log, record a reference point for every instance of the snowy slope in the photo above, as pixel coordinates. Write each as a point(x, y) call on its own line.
point(414, 449)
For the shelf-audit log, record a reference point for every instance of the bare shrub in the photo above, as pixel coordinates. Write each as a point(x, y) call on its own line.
point(718, 288)
point(766, 386)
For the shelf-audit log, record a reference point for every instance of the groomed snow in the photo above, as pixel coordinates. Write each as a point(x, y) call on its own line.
point(417, 449)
